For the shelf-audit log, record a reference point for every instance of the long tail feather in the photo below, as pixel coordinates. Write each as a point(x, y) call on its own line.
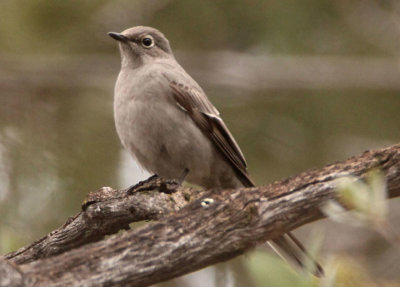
point(289, 248)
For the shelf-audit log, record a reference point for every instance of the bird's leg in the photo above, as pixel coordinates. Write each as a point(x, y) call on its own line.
point(140, 183)
point(170, 186)
point(184, 174)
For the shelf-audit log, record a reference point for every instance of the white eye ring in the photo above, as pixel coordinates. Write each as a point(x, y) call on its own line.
point(147, 42)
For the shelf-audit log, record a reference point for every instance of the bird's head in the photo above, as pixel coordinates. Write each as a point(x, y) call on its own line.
point(140, 44)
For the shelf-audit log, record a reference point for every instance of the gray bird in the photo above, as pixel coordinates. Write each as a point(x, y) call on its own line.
point(165, 120)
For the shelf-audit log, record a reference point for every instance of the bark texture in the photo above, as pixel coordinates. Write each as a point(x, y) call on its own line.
point(194, 229)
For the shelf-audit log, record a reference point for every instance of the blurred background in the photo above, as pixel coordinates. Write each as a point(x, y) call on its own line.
point(300, 84)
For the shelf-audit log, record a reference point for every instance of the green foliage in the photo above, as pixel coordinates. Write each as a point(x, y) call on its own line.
point(367, 200)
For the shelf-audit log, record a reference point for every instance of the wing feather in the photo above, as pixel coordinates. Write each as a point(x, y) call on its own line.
point(206, 117)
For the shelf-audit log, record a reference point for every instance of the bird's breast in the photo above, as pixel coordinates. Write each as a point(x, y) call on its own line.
point(160, 135)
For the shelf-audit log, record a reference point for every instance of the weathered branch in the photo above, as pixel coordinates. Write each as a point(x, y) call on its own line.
point(105, 212)
point(205, 231)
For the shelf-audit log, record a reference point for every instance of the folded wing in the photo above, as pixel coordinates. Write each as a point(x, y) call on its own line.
point(206, 117)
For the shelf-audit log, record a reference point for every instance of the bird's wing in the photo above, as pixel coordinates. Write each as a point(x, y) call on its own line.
point(206, 117)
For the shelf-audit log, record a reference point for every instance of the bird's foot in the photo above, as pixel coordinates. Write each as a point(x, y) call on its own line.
point(142, 185)
point(171, 185)
point(156, 182)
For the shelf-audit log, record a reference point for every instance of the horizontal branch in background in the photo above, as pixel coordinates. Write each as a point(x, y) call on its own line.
point(228, 69)
point(201, 232)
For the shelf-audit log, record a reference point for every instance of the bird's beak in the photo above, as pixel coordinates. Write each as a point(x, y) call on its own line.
point(118, 36)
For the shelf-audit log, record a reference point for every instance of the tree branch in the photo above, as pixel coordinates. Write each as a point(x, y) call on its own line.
point(105, 212)
point(198, 233)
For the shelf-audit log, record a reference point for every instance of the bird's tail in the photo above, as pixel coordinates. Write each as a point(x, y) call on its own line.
point(287, 246)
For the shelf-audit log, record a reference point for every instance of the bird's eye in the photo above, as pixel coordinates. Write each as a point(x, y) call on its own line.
point(148, 42)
